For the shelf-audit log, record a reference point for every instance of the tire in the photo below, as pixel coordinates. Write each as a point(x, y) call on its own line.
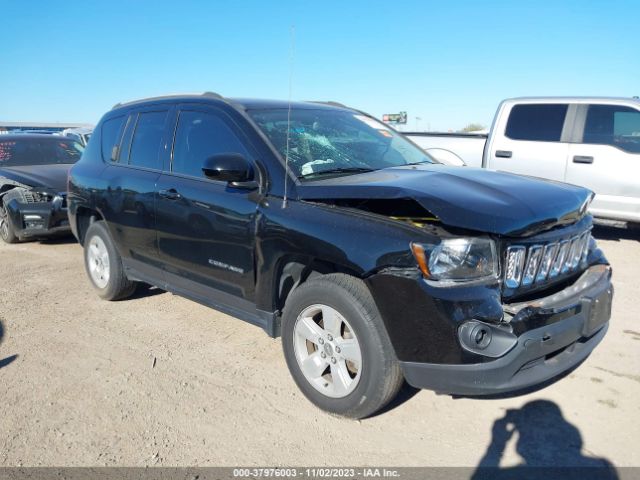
point(633, 226)
point(104, 264)
point(7, 230)
point(353, 386)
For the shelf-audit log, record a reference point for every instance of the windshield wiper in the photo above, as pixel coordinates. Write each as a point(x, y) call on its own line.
point(338, 170)
point(416, 163)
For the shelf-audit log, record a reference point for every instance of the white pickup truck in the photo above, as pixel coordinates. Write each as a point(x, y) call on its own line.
point(591, 142)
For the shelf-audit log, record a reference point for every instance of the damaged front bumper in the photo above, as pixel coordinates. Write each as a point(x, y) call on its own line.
point(533, 343)
point(39, 219)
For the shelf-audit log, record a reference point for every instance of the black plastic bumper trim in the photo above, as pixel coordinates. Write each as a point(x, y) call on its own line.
point(540, 355)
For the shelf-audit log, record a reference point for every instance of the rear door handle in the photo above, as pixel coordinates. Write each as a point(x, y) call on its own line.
point(171, 194)
point(504, 153)
point(582, 159)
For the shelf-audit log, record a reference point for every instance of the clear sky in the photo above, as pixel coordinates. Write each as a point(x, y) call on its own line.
point(447, 62)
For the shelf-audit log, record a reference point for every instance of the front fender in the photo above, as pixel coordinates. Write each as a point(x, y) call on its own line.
point(359, 244)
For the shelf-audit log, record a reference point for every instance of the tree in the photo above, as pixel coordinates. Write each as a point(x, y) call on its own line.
point(472, 127)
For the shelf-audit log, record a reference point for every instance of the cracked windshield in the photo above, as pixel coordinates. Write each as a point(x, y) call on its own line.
point(333, 142)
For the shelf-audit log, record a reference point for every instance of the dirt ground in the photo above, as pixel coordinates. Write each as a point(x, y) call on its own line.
point(160, 380)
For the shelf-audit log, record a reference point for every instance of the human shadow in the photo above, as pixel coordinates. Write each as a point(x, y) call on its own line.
point(5, 361)
point(550, 447)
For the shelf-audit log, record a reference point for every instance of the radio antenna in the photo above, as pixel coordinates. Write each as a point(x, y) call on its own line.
point(286, 155)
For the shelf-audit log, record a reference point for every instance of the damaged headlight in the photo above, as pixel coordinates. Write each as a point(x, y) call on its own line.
point(457, 259)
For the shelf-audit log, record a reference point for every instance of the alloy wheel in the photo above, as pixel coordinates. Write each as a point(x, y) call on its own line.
point(327, 351)
point(98, 261)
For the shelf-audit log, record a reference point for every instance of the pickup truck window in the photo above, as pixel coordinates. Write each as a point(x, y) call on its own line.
point(537, 122)
point(335, 142)
point(614, 125)
point(199, 136)
point(146, 140)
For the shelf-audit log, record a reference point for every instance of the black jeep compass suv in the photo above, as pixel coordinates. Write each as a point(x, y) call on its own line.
point(374, 262)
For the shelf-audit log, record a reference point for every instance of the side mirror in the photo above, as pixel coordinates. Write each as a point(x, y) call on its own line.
point(233, 168)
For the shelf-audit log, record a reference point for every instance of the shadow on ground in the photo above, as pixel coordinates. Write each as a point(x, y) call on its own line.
point(5, 361)
point(144, 290)
point(615, 233)
point(406, 393)
point(549, 446)
point(59, 240)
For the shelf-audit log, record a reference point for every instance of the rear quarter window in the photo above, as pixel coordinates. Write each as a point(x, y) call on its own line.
point(537, 122)
point(111, 132)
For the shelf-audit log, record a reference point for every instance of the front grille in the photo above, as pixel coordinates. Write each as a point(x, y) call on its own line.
point(540, 263)
point(30, 196)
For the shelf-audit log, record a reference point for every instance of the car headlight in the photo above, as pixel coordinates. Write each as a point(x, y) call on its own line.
point(457, 259)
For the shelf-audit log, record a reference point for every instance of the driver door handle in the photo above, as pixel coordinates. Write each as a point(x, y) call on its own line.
point(582, 159)
point(170, 194)
point(504, 153)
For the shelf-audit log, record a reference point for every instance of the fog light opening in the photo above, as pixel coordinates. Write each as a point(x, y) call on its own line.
point(480, 336)
point(486, 339)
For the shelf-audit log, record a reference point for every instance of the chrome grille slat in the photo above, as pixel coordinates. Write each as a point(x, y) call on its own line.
point(528, 265)
point(533, 262)
point(558, 263)
point(550, 252)
point(514, 265)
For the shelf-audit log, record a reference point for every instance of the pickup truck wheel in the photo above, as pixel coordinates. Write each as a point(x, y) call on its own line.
point(104, 265)
point(7, 231)
point(337, 348)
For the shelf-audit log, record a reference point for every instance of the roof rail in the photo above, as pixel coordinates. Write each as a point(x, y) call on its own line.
point(330, 102)
point(165, 97)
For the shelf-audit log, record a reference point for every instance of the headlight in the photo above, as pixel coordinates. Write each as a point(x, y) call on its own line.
point(457, 259)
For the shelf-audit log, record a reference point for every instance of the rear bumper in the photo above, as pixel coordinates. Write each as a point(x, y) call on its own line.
point(569, 326)
point(39, 219)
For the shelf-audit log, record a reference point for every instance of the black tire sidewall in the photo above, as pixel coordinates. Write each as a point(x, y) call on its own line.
point(113, 289)
point(11, 233)
point(360, 317)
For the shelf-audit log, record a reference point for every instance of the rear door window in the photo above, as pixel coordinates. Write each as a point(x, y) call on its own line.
point(111, 132)
point(537, 122)
point(614, 125)
point(147, 139)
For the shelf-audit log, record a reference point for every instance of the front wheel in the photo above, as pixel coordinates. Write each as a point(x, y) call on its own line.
point(337, 348)
point(104, 265)
point(7, 231)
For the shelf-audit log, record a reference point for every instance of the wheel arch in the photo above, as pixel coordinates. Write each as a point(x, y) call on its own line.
point(84, 217)
point(7, 185)
point(293, 271)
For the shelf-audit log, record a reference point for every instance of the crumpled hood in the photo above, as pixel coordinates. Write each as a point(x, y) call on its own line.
point(47, 176)
point(471, 198)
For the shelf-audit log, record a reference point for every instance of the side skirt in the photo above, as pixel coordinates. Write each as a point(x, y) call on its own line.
point(210, 297)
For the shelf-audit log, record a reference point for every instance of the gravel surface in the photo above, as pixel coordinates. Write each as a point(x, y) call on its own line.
point(160, 380)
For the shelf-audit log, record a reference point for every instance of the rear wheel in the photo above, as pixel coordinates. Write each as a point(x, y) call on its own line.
point(337, 348)
point(104, 264)
point(7, 231)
